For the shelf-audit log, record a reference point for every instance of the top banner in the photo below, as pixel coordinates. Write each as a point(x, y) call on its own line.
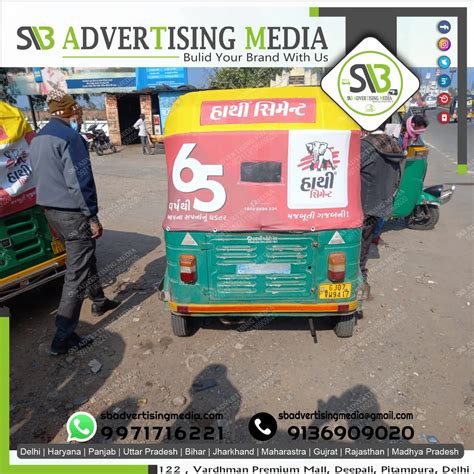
point(184, 35)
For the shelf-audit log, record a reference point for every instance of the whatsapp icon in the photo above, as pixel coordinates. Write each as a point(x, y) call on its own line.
point(81, 426)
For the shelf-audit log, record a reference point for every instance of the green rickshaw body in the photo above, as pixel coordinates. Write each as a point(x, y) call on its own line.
point(225, 274)
point(264, 214)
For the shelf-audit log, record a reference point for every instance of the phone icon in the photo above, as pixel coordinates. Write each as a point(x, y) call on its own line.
point(84, 431)
point(265, 431)
point(262, 426)
point(81, 426)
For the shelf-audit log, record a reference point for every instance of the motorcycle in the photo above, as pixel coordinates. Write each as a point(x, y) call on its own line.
point(98, 140)
point(419, 206)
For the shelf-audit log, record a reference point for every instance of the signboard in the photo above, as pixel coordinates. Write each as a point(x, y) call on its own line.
point(151, 77)
point(263, 180)
point(294, 110)
point(166, 100)
point(39, 81)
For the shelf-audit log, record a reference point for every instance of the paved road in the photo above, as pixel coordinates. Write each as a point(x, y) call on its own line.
point(412, 351)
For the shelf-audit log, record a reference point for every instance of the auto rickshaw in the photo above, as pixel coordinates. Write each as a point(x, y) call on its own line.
point(31, 253)
point(264, 214)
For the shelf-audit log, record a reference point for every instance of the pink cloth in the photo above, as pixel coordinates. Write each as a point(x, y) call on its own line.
point(411, 135)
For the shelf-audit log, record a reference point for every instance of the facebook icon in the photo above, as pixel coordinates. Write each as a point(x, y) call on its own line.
point(444, 26)
point(444, 80)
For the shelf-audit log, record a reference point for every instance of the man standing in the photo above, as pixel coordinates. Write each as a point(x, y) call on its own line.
point(380, 160)
point(65, 188)
point(140, 125)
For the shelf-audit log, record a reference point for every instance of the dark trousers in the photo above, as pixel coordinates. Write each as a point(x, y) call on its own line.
point(81, 278)
point(368, 228)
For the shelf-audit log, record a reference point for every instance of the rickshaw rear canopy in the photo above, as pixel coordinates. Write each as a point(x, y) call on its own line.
point(17, 190)
point(261, 159)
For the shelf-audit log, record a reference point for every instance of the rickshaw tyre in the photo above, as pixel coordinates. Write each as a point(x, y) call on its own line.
point(181, 326)
point(427, 225)
point(345, 326)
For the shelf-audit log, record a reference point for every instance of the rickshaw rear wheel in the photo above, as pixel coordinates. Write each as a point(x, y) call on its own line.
point(345, 326)
point(181, 326)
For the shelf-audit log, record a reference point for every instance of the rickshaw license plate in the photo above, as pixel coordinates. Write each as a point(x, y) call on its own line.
point(57, 246)
point(329, 291)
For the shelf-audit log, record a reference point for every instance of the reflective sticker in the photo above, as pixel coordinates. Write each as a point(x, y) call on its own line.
point(336, 239)
point(188, 240)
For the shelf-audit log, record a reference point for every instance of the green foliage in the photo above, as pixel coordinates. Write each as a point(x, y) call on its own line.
point(238, 78)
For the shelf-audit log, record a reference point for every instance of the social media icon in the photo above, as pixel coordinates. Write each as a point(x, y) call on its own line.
point(444, 26)
point(263, 426)
point(444, 98)
point(444, 44)
point(81, 426)
point(444, 80)
point(444, 62)
point(444, 117)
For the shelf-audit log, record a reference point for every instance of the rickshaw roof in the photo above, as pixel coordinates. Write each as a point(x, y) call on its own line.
point(185, 114)
point(13, 125)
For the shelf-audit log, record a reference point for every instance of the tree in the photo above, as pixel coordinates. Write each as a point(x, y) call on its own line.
point(238, 78)
point(5, 91)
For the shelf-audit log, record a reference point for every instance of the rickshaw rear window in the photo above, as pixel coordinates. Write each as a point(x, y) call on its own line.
point(260, 172)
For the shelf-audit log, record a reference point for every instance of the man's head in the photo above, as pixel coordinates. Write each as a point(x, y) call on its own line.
point(142, 116)
point(63, 106)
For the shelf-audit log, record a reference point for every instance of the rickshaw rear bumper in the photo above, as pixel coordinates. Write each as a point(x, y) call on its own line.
point(276, 309)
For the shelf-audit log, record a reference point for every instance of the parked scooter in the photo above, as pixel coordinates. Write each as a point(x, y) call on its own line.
point(99, 141)
point(420, 207)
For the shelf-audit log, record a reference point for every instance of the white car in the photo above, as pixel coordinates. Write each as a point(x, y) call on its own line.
point(431, 102)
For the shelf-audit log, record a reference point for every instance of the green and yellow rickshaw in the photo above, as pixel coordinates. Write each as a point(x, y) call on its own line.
point(264, 209)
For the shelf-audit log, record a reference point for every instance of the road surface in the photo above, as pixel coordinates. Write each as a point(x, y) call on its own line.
point(411, 353)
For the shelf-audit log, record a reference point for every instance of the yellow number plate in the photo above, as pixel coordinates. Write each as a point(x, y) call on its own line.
point(57, 246)
point(330, 291)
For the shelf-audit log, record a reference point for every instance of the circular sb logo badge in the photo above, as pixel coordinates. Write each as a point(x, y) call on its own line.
point(370, 83)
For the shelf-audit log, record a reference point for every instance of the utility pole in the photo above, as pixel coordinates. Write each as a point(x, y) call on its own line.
point(33, 114)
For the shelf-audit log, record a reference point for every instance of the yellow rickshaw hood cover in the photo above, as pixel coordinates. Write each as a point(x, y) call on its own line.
point(17, 190)
point(261, 159)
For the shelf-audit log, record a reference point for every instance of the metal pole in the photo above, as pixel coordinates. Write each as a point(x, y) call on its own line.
point(33, 114)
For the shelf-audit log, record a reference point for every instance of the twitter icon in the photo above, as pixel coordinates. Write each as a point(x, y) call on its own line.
point(444, 62)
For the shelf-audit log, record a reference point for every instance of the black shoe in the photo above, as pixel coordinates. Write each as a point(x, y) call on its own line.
point(107, 305)
point(73, 344)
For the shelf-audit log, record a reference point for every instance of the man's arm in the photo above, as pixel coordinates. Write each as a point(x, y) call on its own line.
point(78, 176)
point(366, 154)
point(137, 124)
